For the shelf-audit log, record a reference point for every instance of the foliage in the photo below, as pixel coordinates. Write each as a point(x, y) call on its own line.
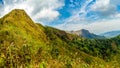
point(24, 44)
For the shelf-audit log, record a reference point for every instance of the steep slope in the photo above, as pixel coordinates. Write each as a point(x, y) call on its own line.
point(86, 34)
point(26, 44)
point(20, 39)
point(111, 34)
point(103, 48)
point(19, 25)
point(64, 45)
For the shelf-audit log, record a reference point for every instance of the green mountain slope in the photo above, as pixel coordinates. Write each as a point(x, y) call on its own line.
point(20, 38)
point(26, 44)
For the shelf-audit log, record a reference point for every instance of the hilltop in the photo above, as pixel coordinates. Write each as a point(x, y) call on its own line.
point(24, 43)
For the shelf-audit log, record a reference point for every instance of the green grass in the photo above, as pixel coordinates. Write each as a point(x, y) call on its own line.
point(24, 44)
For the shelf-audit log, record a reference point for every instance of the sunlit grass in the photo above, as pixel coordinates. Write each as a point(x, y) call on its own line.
point(24, 44)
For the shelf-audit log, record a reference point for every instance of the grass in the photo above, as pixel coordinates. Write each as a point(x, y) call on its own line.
point(24, 44)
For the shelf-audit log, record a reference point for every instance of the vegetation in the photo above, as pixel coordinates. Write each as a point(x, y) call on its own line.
point(24, 44)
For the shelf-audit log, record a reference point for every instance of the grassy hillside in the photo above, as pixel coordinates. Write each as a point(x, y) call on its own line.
point(20, 39)
point(24, 44)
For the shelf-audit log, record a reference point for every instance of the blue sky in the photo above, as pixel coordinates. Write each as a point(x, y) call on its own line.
point(1, 2)
point(97, 16)
point(74, 6)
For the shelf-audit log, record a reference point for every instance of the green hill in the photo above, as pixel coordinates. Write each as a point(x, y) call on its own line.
point(25, 44)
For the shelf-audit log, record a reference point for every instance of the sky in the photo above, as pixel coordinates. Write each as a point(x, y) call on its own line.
point(97, 16)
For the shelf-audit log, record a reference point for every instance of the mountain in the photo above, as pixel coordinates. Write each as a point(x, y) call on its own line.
point(18, 27)
point(86, 34)
point(25, 44)
point(111, 34)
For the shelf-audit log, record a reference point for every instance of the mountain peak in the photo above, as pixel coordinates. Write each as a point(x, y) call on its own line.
point(17, 17)
point(86, 34)
point(18, 14)
point(84, 30)
point(18, 10)
point(18, 20)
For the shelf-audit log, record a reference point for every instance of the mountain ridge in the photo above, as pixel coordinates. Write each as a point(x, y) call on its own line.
point(20, 24)
point(24, 43)
point(111, 34)
point(86, 34)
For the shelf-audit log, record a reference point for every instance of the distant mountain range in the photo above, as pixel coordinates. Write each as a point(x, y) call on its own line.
point(86, 34)
point(111, 34)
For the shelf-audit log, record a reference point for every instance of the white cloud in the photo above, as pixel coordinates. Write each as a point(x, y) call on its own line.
point(104, 26)
point(46, 14)
point(96, 27)
point(106, 8)
point(101, 5)
point(35, 8)
point(107, 11)
point(78, 16)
